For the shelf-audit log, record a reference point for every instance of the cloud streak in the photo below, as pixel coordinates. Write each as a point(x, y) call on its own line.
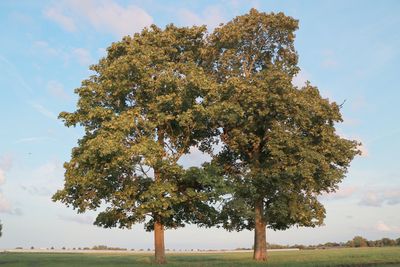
point(65, 22)
point(381, 226)
point(377, 198)
point(211, 16)
point(57, 90)
point(342, 193)
point(103, 15)
point(44, 111)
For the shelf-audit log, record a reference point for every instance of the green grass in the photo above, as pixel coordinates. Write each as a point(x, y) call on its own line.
point(332, 257)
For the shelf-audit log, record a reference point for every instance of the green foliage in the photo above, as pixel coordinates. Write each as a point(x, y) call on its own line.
point(280, 147)
point(1, 228)
point(141, 112)
point(358, 241)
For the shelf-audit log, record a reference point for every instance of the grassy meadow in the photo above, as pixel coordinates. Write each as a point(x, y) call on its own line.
point(332, 257)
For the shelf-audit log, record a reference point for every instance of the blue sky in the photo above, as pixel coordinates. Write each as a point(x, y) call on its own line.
point(349, 49)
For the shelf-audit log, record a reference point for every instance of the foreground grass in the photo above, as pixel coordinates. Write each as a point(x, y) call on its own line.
point(333, 257)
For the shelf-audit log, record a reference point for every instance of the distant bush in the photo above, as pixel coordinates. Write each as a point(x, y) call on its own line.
point(103, 247)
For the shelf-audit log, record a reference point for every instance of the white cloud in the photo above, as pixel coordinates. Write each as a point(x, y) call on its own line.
point(392, 196)
point(46, 48)
point(343, 192)
point(57, 89)
point(103, 15)
point(45, 179)
point(375, 198)
point(64, 21)
point(6, 162)
point(47, 169)
point(211, 16)
point(5, 206)
point(82, 55)
point(2, 177)
point(383, 227)
point(371, 199)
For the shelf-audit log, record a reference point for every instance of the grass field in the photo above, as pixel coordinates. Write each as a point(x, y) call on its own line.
point(332, 257)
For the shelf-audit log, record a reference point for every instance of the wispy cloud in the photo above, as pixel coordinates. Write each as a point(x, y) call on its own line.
point(12, 70)
point(2, 177)
point(37, 190)
point(375, 198)
point(381, 226)
point(30, 139)
point(46, 48)
point(211, 16)
point(6, 161)
point(329, 59)
point(57, 89)
point(82, 55)
point(343, 192)
point(6, 207)
point(103, 15)
point(44, 111)
point(64, 21)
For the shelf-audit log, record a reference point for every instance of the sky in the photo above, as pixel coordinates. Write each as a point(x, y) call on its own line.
point(349, 49)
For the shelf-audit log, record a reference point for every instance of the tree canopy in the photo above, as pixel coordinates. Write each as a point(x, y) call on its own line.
point(280, 148)
point(163, 91)
point(141, 111)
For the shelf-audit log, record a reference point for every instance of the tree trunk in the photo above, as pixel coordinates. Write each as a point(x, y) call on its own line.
point(260, 235)
point(159, 246)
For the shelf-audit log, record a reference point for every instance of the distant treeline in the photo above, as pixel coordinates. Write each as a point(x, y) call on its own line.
point(103, 247)
point(357, 241)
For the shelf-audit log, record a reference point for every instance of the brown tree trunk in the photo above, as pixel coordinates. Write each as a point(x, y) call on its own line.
point(159, 246)
point(260, 235)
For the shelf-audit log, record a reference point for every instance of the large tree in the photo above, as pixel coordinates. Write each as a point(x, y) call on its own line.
point(280, 148)
point(142, 110)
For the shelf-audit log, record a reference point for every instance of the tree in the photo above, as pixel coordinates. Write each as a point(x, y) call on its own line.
point(388, 242)
point(142, 110)
point(1, 228)
point(359, 241)
point(280, 149)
